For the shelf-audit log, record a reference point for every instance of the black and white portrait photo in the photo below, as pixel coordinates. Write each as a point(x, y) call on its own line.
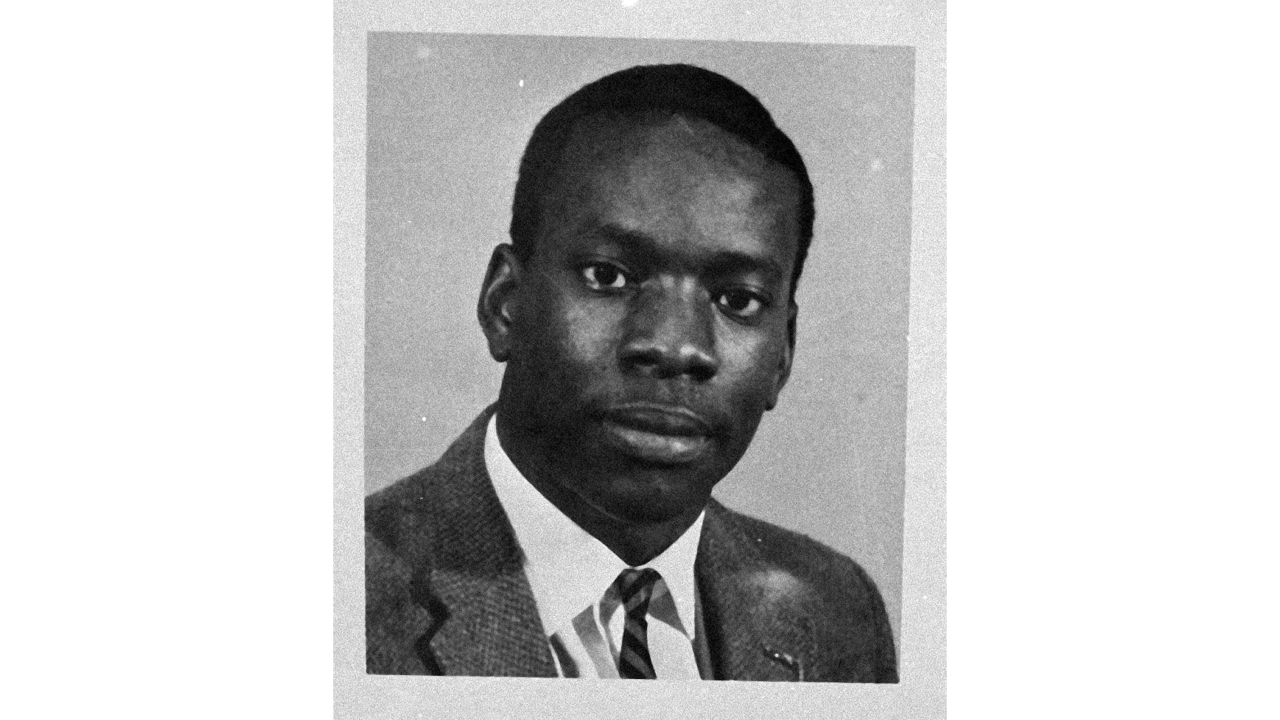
point(636, 357)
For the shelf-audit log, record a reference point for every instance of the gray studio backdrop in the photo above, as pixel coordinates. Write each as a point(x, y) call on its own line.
point(448, 117)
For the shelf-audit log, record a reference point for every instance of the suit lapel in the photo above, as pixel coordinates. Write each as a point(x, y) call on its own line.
point(756, 625)
point(484, 618)
point(490, 626)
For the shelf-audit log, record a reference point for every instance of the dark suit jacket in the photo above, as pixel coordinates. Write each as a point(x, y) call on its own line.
point(446, 595)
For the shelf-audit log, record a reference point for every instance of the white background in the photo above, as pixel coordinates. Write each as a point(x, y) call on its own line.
point(167, 309)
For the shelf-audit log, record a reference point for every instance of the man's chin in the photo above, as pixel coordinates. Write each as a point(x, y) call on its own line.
point(651, 508)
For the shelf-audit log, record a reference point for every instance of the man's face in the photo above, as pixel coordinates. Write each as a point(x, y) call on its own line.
point(652, 326)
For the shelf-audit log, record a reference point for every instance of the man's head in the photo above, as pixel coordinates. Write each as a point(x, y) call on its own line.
point(683, 90)
point(646, 307)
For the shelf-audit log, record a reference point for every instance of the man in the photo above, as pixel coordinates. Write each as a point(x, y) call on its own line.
point(645, 310)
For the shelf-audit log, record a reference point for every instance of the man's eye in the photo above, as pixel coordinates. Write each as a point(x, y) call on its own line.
point(600, 276)
point(740, 303)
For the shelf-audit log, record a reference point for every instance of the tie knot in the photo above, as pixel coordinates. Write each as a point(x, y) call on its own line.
point(635, 587)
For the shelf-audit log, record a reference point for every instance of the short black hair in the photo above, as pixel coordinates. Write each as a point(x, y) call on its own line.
point(685, 90)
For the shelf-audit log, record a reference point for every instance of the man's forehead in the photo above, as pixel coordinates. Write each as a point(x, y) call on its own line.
point(604, 136)
point(613, 160)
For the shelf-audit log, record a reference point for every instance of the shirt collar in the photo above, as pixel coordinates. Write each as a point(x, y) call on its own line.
point(568, 568)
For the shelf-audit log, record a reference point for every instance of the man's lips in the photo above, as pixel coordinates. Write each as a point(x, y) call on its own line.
point(657, 418)
point(663, 434)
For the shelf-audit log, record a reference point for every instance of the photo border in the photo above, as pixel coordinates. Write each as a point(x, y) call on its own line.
point(922, 662)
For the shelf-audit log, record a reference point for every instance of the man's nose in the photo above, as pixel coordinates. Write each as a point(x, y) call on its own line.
point(670, 332)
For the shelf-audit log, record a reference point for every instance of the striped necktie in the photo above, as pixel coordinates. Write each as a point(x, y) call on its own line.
point(635, 587)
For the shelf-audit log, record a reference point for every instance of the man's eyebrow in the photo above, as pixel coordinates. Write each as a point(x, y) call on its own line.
point(624, 237)
point(722, 261)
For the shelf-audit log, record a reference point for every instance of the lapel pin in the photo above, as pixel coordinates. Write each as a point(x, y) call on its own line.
point(792, 663)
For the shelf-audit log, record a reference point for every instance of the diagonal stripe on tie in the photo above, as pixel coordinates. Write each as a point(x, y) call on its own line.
point(632, 590)
point(637, 666)
point(636, 600)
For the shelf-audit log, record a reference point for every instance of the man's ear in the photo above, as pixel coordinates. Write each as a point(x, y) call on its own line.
point(784, 363)
point(497, 295)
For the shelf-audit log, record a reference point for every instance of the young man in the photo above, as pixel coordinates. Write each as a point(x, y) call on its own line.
point(645, 310)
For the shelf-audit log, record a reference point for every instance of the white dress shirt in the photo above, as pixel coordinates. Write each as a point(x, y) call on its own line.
point(572, 574)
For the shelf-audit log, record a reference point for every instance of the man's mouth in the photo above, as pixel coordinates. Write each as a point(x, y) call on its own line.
point(662, 434)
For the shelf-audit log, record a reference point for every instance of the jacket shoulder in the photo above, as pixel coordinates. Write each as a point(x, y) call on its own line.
point(842, 602)
point(806, 558)
point(416, 512)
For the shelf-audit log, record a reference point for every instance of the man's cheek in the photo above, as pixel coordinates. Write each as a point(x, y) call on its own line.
point(590, 334)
